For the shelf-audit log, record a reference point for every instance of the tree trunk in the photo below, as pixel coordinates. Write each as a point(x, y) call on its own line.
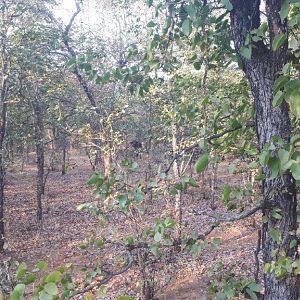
point(262, 70)
point(64, 148)
point(3, 127)
point(178, 196)
point(277, 193)
point(40, 156)
point(64, 156)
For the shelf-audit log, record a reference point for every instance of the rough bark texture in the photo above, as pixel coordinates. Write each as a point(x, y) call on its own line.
point(262, 70)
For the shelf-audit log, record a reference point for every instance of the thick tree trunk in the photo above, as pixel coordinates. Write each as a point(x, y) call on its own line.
point(280, 192)
point(262, 70)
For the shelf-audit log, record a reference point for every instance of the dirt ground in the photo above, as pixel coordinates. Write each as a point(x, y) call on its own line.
point(64, 229)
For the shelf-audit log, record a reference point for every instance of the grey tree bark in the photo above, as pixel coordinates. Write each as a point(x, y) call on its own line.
point(262, 70)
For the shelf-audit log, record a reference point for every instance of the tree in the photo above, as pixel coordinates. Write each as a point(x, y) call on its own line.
point(262, 69)
point(264, 54)
point(6, 17)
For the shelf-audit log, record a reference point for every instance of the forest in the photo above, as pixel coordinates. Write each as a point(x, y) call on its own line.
point(149, 149)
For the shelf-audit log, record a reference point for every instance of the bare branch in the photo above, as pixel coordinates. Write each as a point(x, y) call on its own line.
point(209, 139)
point(80, 78)
point(238, 217)
point(108, 277)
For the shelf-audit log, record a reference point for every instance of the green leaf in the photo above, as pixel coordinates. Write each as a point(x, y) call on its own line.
point(186, 27)
point(95, 179)
point(278, 99)
point(229, 292)
point(293, 243)
point(18, 292)
point(202, 163)
point(295, 139)
point(71, 62)
point(274, 166)
point(149, 3)
point(264, 158)
point(124, 298)
point(190, 9)
point(278, 41)
point(53, 277)
point(295, 169)
point(275, 235)
point(51, 288)
point(44, 296)
point(197, 65)
point(151, 24)
point(283, 156)
point(226, 193)
point(276, 214)
point(154, 64)
point(227, 4)
point(21, 270)
point(246, 52)
point(42, 265)
point(30, 279)
point(157, 237)
point(251, 294)
point(197, 39)
point(255, 287)
point(284, 9)
point(280, 82)
point(155, 250)
point(267, 268)
point(294, 101)
point(123, 201)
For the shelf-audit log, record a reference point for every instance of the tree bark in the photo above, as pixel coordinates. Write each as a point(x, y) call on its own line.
point(40, 156)
point(2, 150)
point(262, 70)
point(3, 126)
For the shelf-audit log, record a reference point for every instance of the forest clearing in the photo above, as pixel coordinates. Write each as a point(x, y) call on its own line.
point(149, 149)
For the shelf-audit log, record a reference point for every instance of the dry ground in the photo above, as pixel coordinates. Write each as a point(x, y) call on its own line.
point(64, 228)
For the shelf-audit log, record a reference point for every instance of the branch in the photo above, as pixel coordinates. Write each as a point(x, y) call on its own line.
point(209, 139)
point(238, 217)
point(80, 78)
point(177, 242)
point(130, 261)
point(110, 275)
point(218, 135)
